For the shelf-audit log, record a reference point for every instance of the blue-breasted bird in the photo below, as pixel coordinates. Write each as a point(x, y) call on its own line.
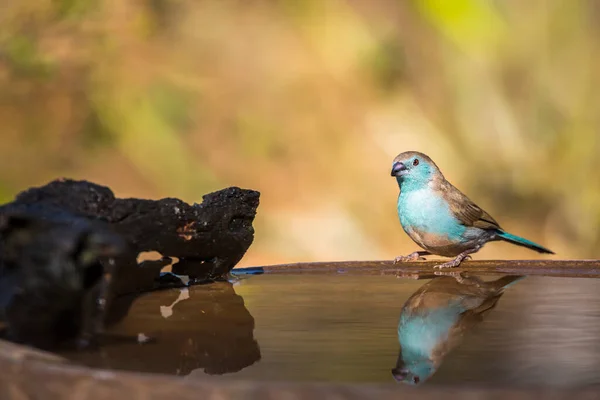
point(439, 217)
point(436, 317)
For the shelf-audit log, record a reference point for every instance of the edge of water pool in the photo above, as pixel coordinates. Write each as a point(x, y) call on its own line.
point(34, 376)
point(585, 268)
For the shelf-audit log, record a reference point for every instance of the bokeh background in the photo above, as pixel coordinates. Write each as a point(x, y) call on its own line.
point(308, 101)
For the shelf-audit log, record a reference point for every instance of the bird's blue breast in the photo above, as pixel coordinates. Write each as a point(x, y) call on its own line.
point(419, 335)
point(425, 211)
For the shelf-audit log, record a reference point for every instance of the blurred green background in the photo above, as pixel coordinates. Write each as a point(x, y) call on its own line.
point(308, 101)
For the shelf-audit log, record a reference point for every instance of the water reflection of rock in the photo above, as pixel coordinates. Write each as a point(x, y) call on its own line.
point(436, 317)
point(202, 327)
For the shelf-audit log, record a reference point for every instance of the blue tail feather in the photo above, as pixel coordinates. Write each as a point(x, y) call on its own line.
point(507, 281)
point(519, 241)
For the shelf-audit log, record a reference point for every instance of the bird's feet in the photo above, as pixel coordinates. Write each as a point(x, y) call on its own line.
point(407, 275)
point(457, 260)
point(459, 276)
point(414, 256)
point(462, 277)
point(449, 264)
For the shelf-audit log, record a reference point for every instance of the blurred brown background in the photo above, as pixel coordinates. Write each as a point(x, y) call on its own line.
point(308, 101)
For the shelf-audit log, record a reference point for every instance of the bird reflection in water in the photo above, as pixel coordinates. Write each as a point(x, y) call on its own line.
point(435, 318)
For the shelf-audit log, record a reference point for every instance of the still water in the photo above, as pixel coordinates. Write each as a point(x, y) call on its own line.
point(345, 328)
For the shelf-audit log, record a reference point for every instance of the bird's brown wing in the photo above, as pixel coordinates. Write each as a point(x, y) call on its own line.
point(467, 212)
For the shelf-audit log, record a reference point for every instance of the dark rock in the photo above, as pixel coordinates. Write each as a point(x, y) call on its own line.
point(51, 280)
point(208, 239)
point(70, 248)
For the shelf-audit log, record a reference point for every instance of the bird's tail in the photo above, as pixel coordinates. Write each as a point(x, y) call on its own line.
point(519, 241)
point(506, 281)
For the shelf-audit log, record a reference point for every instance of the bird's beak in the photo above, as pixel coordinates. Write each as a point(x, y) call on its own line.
point(398, 168)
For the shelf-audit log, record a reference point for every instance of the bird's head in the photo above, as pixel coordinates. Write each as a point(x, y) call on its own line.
point(414, 167)
point(415, 373)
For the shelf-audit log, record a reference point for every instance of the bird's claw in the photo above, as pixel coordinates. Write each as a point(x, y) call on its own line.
point(454, 274)
point(403, 259)
point(449, 264)
point(407, 275)
point(409, 258)
point(459, 276)
point(455, 262)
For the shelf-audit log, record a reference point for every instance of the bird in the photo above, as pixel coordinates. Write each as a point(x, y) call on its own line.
point(435, 318)
point(439, 217)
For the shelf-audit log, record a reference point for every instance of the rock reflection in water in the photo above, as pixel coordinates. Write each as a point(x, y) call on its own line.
point(203, 327)
point(435, 318)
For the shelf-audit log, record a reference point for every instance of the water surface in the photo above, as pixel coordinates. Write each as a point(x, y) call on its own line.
point(344, 328)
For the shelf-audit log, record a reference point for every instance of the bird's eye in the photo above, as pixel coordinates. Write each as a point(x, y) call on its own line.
point(416, 162)
point(416, 379)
